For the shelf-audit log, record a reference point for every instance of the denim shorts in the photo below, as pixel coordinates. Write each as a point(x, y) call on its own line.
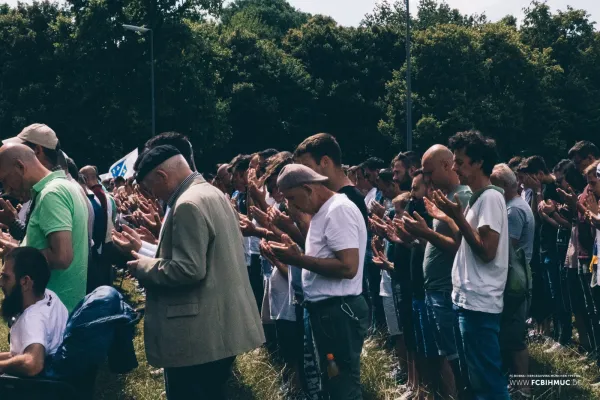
point(444, 322)
point(423, 330)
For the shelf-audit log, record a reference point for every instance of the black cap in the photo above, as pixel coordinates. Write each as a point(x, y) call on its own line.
point(152, 158)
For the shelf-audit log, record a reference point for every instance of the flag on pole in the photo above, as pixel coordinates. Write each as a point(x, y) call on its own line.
point(124, 167)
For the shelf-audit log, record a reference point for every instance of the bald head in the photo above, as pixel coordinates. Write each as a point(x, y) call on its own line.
point(20, 169)
point(91, 175)
point(438, 153)
point(13, 152)
point(173, 165)
point(166, 177)
point(437, 166)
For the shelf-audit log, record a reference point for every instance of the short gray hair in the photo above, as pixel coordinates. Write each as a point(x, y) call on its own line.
point(503, 173)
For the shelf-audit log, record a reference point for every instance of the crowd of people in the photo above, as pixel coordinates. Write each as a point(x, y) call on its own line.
point(452, 253)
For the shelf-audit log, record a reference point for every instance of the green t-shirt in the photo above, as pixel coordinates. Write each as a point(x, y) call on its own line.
point(437, 264)
point(58, 206)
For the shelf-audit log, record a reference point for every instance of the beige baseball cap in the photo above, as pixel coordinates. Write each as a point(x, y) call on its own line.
point(40, 134)
point(294, 175)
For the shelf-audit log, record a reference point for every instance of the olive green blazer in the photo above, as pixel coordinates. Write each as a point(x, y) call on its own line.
point(199, 305)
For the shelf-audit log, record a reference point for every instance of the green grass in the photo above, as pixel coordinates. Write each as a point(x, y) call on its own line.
point(256, 377)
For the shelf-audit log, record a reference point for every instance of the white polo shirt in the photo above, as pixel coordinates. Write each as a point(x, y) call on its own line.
point(337, 226)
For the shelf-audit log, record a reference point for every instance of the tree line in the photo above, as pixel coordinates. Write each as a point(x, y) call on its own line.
point(254, 74)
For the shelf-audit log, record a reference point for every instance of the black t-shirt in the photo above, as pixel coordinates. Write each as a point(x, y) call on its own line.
point(242, 202)
point(401, 273)
point(418, 253)
point(547, 231)
point(355, 196)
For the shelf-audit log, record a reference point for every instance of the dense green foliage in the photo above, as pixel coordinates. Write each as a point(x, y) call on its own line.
point(258, 73)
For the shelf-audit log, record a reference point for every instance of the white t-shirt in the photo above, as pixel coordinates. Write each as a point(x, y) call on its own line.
point(477, 285)
point(279, 297)
point(370, 196)
point(337, 226)
point(385, 286)
point(22, 215)
point(41, 323)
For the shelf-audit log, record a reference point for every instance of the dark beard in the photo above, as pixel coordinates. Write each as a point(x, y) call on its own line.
point(12, 304)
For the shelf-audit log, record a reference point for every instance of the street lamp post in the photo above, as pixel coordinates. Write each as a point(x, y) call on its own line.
point(408, 83)
point(141, 29)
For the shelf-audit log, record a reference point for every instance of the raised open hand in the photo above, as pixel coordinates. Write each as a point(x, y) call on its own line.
point(434, 211)
point(448, 207)
point(7, 212)
point(286, 251)
point(377, 209)
point(569, 197)
point(260, 216)
point(146, 235)
point(415, 225)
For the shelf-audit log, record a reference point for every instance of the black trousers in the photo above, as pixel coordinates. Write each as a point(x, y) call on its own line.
point(339, 326)
point(256, 280)
point(199, 382)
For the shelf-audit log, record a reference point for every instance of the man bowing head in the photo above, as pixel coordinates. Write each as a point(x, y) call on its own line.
point(200, 310)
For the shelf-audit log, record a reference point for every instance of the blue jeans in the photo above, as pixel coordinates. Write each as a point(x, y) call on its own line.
point(424, 330)
point(480, 333)
point(445, 321)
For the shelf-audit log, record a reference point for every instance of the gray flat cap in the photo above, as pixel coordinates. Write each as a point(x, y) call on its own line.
point(293, 175)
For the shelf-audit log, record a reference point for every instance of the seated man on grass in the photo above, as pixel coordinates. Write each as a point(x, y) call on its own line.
point(36, 316)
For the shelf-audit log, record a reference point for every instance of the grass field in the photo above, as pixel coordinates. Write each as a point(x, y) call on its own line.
point(257, 377)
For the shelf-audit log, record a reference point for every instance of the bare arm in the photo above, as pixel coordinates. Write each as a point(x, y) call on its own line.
point(449, 244)
point(60, 250)
point(30, 363)
point(550, 220)
point(483, 241)
point(343, 266)
point(561, 221)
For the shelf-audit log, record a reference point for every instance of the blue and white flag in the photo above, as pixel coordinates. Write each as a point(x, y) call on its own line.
point(124, 167)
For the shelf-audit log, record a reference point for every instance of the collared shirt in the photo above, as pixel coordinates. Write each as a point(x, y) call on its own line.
point(179, 189)
point(57, 206)
point(149, 249)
